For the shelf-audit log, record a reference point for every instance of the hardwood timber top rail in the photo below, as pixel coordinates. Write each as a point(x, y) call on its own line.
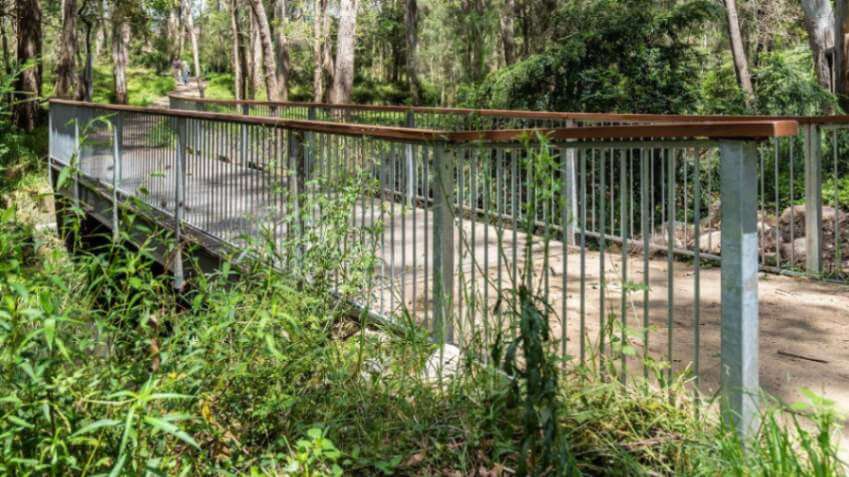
point(527, 114)
point(747, 128)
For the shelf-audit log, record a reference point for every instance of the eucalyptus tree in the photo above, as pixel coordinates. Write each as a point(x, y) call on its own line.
point(343, 74)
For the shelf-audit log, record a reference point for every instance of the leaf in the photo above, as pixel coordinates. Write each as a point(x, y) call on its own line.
point(17, 420)
point(169, 428)
point(95, 426)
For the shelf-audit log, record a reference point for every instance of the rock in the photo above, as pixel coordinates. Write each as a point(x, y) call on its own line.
point(444, 362)
point(794, 252)
point(710, 242)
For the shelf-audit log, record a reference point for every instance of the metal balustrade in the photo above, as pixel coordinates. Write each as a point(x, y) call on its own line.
point(456, 222)
point(790, 177)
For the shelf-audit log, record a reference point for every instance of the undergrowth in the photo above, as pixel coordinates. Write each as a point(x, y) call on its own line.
point(104, 369)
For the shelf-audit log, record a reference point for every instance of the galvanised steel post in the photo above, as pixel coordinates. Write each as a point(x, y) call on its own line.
point(297, 161)
point(813, 200)
point(117, 148)
point(411, 171)
point(443, 245)
point(739, 286)
point(570, 177)
point(177, 267)
point(76, 162)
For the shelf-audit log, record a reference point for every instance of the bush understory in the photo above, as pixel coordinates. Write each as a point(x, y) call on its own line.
point(104, 369)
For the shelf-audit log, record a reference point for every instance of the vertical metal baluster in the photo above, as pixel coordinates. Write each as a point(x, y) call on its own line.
point(567, 186)
point(837, 260)
point(583, 281)
point(500, 198)
point(602, 319)
point(623, 228)
point(792, 141)
point(697, 289)
point(514, 207)
point(670, 263)
point(427, 190)
point(645, 170)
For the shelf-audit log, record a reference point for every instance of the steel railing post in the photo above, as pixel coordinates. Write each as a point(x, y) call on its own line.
point(117, 148)
point(739, 286)
point(297, 187)
point(571, 189)
point(411, 170)
point(813, 200)
point(443, 245)
point(179, 170)
point(76, 162)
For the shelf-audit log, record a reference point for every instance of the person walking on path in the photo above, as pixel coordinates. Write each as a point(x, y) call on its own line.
point(176, 69)
point(185, 67)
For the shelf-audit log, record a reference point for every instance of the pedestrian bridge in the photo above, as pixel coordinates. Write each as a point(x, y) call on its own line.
point(645, 236)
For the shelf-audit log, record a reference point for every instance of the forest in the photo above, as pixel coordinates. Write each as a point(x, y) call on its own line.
point(107, 367)
point(639, 56)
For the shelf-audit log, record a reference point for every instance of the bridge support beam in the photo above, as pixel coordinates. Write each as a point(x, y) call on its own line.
point(739, 284)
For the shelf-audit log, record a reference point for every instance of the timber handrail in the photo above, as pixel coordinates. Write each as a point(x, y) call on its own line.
point(741, 129)
point(527, 114)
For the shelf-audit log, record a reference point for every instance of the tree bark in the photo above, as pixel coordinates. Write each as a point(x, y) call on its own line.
point(738, 51)
point(193, 37)
point(412, 25)
point(66, 65)
point(238, 52)
point(120, 45)
point(28, 84)
point(508, 43)
point(327, 65)
point(254, 58)
point(269, 63)
point(819, 22)
point(841, 65)
point(174, 32)
point(282, 41)
point(7, 61)
point(320, 13)
point(343, 76)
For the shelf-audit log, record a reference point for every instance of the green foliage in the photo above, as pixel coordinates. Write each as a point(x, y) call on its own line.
point(608, 55)
point(144, 85)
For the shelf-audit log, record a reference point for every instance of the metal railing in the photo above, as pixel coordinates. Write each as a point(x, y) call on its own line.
point(801, 230)
point(457, 222)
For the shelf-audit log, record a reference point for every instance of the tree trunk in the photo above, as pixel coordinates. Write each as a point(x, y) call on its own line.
point(412, 24)
point(268, 61)
point(66, 64)
point(508, 43)
point(738, 51)
point(841, 65)
point(317, 50)
point(282, 50)
point(343, 76)
point(254, 58)
point(120, 45)
point(7, 61)
point(327, 65)
point(819, 22)
point(193, 37)
point(238, 52)
point(174, 31)
point(28, 84)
